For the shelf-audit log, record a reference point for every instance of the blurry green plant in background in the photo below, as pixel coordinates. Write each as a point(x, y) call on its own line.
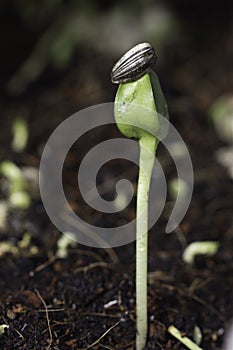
point(66, 29)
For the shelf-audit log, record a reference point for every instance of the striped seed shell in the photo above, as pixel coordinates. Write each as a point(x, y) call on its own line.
point(134, 64)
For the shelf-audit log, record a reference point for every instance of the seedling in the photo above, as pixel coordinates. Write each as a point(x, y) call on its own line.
point(2, 328)
point(183, 339)
point(20, 135)
point(18, 196)
point(139, 90)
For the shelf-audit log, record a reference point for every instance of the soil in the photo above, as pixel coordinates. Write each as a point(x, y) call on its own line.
point(87, 299)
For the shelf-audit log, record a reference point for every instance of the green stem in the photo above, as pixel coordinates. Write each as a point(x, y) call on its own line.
point(148, 145)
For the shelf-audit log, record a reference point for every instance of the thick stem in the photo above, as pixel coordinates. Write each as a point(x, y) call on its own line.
point(148, 146)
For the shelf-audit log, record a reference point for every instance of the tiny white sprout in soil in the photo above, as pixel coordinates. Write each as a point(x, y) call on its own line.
point(197, 335)
point(2, 328)
point(111, 303)
point(66, 240)
point(197, 248)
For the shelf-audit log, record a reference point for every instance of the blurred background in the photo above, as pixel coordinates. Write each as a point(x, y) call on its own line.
point(57, 55)
point(56, 58)
point(70, 46)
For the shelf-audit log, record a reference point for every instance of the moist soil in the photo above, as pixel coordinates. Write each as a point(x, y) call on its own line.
point(86, 300)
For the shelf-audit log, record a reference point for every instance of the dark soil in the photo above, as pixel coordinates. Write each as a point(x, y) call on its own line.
point(62, 304)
